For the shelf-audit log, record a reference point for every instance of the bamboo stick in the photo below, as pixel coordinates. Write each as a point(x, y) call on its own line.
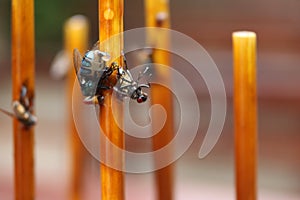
point(23, 61)
point(111, 23)
point(158, 15)
point(76, 31)
point(245, 111)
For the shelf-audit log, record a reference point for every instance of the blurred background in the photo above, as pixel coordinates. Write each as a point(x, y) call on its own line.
point(277, 24)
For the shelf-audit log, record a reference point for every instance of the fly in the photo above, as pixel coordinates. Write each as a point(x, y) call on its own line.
point(94, 76)
point(21, 109)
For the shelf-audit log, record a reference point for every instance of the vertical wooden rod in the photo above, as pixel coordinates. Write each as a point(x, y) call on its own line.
point(76, 34)
point(23, 61)
point(158, 15)
point(245, 114)
point(111, 23)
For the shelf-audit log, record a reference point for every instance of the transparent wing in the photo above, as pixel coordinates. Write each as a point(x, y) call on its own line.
point(60, 65)
point(77, 58)
point(96, 46)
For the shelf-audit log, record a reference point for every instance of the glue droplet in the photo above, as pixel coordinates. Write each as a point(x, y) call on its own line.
point(109, 14)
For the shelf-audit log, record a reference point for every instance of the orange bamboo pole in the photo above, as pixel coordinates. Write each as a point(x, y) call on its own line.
point(23, 61)
point(111, 23)
point(76, 34)
point(158, 15)
point(245, 111)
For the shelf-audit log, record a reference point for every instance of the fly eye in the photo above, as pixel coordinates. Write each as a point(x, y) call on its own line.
point(139, 100)
point(142, 98)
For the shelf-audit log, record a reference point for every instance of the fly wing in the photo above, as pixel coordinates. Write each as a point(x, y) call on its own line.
point(96, 46)
point(60, 65)
point(77, 58)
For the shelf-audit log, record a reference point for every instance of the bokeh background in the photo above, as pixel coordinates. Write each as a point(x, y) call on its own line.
point(277, 24)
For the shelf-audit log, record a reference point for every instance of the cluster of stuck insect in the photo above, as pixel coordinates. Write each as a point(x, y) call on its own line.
point(94, 76)
point(22, 110)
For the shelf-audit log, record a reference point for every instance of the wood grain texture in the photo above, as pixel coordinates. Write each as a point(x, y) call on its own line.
point(23, 62)
point(245, 114)
point(111, 23)
point(157, 15)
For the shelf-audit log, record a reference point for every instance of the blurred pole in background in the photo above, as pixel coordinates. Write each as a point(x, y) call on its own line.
point(76, 34)
point(157, 15)
point(111, 23)
point(245, 114)
point(23, 72)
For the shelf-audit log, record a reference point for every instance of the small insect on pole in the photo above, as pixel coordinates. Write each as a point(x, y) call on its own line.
point(245, 114)
point(111, 23)
point(23, 76)
point(76, 31)
point(158, 15)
